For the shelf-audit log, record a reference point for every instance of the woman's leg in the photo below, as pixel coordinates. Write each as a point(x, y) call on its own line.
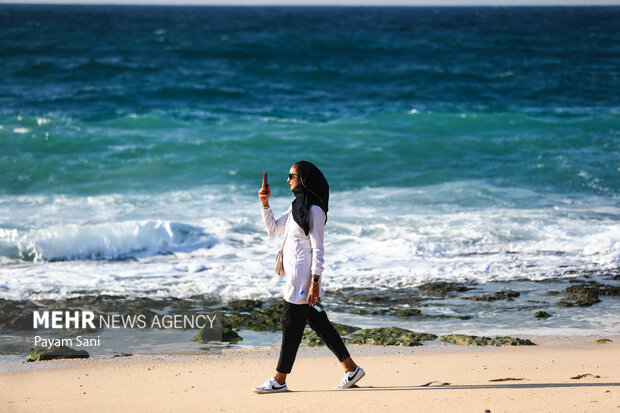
point(293, 324)
point(324, 328)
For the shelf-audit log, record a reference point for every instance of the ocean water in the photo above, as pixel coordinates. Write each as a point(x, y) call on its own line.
point(473, 145)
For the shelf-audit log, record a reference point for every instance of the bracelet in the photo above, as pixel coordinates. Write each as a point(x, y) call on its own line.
point(266, 207)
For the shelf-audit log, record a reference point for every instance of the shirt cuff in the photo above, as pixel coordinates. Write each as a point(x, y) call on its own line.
point(317, 271)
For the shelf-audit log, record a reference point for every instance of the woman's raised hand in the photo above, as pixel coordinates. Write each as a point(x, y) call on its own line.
point(263, 195)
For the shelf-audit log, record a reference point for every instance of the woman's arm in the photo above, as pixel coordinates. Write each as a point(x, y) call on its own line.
point(274, 227)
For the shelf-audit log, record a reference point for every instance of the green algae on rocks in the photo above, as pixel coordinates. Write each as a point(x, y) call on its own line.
point(260, 319)
point(223, 333)
point(579, 300)
point(601, 341)
point(55, 352)
point(389, 336)
point(542, 314)
point(507, 295)
point(16, 314)
point(465, 340)
point(407, 312)
point(586, 293)
point(243, 305)
point(360, 311)
point(312, 339)
point(443, 287)
point(593, 288)
point(414, 312)
point(383, 298)
point(512, 341)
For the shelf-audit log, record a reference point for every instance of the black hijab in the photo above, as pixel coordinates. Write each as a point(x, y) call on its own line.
point(312, 189)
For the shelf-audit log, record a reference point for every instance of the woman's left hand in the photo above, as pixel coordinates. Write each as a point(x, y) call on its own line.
point(314, 293)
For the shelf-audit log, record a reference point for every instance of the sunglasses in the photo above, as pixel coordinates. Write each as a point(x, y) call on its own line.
point(290, 176)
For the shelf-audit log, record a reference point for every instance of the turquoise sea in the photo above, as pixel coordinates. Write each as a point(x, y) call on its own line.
point(473, 145)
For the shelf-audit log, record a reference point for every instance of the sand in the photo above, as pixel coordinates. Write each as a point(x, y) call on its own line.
point(420, 379)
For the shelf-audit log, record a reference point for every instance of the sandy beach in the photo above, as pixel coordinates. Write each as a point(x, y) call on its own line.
point(560, 375)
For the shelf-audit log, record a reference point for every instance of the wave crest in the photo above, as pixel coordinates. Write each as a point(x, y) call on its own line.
point(107, 241)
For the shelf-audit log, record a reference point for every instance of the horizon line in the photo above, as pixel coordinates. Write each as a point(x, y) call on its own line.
point(324, 3)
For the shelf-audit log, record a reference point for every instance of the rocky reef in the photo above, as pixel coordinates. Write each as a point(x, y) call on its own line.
point(465, 340)
point(55, 352)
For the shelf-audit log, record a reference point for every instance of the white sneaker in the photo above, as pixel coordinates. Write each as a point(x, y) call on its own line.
point(270, 385)
point(351, 377)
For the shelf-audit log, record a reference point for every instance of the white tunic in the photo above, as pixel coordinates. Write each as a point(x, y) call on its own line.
point(303, 254)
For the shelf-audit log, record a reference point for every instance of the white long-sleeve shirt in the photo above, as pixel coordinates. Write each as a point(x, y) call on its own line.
point(302, 254)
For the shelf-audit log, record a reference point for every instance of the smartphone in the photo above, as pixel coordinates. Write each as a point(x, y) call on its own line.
point(265, 180)
point(319, 307)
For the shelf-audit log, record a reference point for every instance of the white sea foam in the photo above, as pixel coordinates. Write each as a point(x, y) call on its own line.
point(21, 130)
point(102, 241)
point(211, 240)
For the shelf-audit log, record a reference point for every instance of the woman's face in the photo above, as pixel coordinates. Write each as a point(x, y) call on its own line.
point(294, 181)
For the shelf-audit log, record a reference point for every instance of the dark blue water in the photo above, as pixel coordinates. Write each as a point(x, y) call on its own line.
point(525, 96)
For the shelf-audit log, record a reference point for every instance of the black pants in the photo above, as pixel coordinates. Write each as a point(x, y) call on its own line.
point(294, 319)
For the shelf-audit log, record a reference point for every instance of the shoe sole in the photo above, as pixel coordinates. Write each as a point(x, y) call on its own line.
point(258, 391)
point(358, 378)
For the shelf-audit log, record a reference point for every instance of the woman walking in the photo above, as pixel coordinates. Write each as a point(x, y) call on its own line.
point(303, 224)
